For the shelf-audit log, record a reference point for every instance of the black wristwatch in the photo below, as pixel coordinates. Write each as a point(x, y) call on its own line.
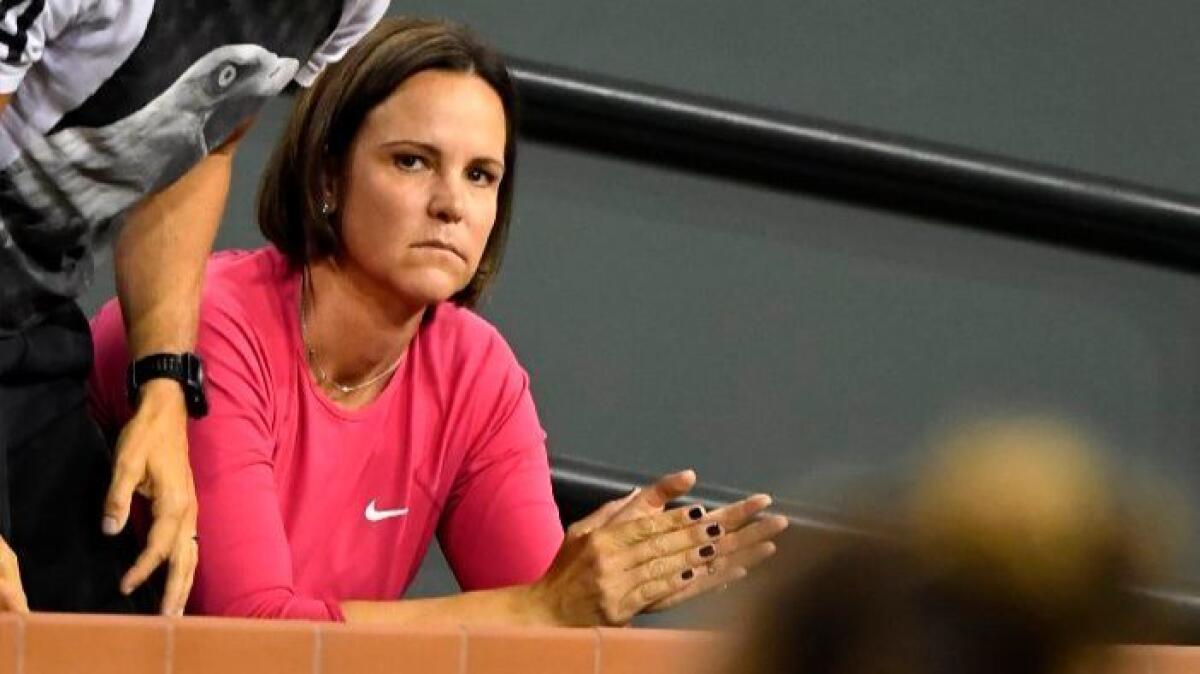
point(184, 368)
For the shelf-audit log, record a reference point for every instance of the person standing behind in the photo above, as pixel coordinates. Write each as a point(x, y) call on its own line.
point(118, 123)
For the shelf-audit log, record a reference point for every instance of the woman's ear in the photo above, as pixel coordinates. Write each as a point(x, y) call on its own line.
point(329, 198)
point(330, 187)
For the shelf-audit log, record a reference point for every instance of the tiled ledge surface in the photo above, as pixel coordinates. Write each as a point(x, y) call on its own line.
point(61, 644)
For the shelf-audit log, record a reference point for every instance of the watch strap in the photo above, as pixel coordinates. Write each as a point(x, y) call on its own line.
point(185, 368)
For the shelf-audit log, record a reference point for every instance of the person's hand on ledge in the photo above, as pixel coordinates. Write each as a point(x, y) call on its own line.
point(631, 556)
point(152, 459)
point(12, 594)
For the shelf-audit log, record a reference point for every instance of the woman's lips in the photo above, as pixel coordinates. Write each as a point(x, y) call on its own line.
point(440, 245)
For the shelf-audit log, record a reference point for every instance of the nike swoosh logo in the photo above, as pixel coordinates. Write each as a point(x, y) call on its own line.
point(374, 515)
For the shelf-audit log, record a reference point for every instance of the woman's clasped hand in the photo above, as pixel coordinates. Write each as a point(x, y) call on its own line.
point(633, 556)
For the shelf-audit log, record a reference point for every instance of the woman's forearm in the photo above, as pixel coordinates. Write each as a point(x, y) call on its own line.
point(517, 606)
point(608, 570)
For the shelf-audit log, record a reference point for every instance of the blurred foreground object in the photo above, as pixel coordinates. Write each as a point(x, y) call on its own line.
point(1014, 552)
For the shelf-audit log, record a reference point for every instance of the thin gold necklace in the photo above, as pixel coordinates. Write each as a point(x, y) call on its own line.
point(311, 352)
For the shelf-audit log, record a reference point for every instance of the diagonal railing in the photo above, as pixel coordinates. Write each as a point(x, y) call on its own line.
point(949, 185)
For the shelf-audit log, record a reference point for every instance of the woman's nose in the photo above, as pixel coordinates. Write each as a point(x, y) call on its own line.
point(446, 202)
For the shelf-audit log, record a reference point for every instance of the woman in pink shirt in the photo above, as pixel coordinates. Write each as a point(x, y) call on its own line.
point(358, 406)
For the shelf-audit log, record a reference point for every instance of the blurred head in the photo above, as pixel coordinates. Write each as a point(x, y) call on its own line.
point(398, 163)
point(1015, 554)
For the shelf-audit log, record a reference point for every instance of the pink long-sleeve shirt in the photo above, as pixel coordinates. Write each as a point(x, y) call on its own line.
point(303, 504)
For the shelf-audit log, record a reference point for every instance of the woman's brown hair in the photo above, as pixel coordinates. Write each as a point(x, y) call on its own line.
point(327, 117)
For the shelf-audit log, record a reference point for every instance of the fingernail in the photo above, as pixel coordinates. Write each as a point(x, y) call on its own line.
point(689, 574)
point(708, 551)
point(696, 513)
point(110, 526)
point(125, 590)
point(713, 530)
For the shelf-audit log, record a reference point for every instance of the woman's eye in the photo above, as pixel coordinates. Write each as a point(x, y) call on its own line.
point(409, 162)
point(480, 177)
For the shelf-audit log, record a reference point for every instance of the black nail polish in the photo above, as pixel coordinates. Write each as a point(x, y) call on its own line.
point(713, 530)
point(696, 513)
point(708, 551)
point(687, 575)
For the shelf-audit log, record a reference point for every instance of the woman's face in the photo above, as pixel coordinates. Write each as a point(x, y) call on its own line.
point(419, 191)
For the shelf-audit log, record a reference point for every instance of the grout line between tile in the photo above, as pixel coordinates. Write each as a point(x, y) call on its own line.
point(462, 651)
point(597, 662)
point(21, 645)
point(318, 646)
point(169, 650)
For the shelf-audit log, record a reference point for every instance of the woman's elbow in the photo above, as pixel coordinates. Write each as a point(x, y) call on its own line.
point(275, 604)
